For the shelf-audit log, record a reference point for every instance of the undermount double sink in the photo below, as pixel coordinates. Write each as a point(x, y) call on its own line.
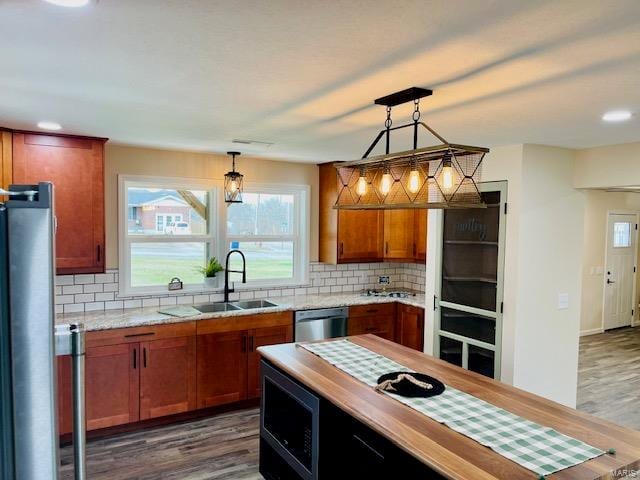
point(233, 306)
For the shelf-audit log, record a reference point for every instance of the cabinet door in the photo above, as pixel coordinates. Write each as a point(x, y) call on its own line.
point(360, 235)
point(6, 166)
point(112, 385)
point(75, 166)
point(64, 395)
point(410, 327)
point(259, 338)
point(167, 377)
point(420, 234)
point(221, 368)
point(398, 234)
point(382, 326)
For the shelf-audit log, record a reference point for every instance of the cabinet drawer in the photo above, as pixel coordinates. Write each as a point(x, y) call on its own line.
point(378, 325)
point(140, 334)
point(372, 309)
point(245, 322)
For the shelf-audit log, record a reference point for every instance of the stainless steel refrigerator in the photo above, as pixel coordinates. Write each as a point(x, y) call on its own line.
point(29, 341)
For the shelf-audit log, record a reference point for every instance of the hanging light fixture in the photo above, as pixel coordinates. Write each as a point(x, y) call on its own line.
point(438, 176)
point(233, 182)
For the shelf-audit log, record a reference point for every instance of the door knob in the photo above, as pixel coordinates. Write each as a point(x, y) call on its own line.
point(609, 282)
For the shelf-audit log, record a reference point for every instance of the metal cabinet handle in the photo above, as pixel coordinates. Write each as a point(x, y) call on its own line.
point(244, 344)
point(99, 253)
point(135, 358)
point(386, 248)
point(415, 250)
point(341, 249)
point(251, 343)
point(144, 357)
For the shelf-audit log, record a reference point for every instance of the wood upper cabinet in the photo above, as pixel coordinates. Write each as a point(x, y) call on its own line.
point(399, 241)
point(75, 166)
point(221, 368)
point(261, 337)
point(351, 236)
point(112, 385)
point(360, 236)
point(410, 326)
point(420, 234)
point(167, 377)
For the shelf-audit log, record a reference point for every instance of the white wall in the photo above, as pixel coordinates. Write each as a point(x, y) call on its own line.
point(608, 166)
point(550, 241)
point(598, 204)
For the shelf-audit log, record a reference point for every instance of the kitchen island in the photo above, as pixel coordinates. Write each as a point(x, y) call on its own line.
point(376, 436)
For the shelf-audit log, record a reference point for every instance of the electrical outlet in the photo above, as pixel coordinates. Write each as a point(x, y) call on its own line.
point(563, 301)
point(384, 280)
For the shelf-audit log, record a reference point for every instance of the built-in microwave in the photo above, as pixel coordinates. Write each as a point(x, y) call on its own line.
point(289, 419)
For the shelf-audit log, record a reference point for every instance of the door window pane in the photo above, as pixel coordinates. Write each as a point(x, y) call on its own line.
point(621, 235)
point(154, 264)
point(481, 361)
point(451, 351)
point(261, 214)
point(161, 211)
point(468, 325)
point(265, 260)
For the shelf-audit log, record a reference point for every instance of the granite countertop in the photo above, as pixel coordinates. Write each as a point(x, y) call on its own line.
point(136, 317)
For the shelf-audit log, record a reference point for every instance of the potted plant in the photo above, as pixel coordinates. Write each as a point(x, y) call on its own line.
point(209, 271)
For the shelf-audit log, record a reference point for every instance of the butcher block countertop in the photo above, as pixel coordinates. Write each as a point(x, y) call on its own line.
point(437, 446)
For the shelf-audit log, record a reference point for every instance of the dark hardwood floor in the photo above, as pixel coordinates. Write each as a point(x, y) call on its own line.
point(223, 447)
point(609, 376)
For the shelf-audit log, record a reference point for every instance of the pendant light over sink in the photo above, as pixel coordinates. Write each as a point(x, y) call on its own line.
point(233, 182)
point(438, 176)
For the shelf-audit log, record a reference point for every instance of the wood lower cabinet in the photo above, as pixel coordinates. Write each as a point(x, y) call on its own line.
point(167, 377)
point(378, 319)
point(399, 241)
point(112, 385)
point(410, 327)
point(65, 399)
point(76, 167)
point(222, 368)
point(259, 338)
point(6, 156)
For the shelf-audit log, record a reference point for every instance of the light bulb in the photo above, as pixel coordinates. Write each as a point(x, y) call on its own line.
point(233, 186)
point(361, 188)
point(414, 181)
point(448, 175)
point(385, 183)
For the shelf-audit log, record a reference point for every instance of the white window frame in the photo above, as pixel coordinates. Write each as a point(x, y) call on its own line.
point(299, 236)
point(125, 240)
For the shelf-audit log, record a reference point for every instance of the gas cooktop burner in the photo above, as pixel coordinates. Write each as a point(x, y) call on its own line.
point(388, 293)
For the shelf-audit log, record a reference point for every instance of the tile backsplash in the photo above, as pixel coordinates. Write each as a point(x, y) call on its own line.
point(91, 292)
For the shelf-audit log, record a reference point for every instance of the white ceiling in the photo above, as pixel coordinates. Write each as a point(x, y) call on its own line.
point(195, 74)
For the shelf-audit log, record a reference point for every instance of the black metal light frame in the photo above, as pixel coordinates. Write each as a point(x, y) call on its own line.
point(464, 159)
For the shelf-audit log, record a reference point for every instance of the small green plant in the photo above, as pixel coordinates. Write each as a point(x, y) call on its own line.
point(211, 268)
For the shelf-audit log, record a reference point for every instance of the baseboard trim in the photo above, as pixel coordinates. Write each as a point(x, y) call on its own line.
point(593, 331)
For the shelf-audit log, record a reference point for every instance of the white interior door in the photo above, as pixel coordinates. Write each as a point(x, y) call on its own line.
point(619, 270)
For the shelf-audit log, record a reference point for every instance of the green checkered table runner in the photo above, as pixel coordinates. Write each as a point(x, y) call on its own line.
point(540, 449)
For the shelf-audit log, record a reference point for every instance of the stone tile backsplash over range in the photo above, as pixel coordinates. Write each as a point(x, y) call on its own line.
point(91, 292)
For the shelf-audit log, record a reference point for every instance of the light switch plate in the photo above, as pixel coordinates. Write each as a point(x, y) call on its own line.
point(563, 301)
point(384, 280)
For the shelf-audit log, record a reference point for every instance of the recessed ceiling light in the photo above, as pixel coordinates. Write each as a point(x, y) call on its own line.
point(69, 3)
point(617, 116)
point(49, 125)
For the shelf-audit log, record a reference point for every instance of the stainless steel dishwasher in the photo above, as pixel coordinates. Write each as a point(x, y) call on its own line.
point(319, 324)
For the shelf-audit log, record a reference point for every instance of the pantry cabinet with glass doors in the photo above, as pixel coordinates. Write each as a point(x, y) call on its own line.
point(469, 294)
